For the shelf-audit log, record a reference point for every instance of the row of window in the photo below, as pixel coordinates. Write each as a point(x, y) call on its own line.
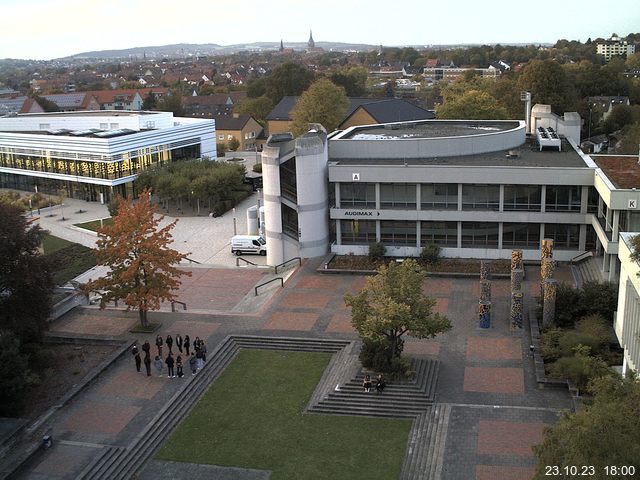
point(473, 234)
point(444, 196)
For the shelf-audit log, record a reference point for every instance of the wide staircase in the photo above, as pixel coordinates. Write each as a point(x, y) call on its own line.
point(425, 449)
point(406, 399)
point(120, 463)
point(588, 270)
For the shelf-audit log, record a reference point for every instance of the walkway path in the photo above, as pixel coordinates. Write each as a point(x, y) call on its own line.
point(495, 412)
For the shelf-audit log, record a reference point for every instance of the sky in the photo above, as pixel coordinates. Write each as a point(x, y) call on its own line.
point(46, 29)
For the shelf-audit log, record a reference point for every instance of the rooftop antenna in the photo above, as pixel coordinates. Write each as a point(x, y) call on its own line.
point(526, 97)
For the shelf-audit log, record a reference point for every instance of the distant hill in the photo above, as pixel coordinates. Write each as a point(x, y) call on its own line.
point(185, 49)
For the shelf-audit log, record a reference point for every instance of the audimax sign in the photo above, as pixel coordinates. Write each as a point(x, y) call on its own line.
point(361, 213)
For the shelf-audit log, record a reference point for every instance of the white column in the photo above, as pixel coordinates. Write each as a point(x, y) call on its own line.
point(584, 199)
point(272, 204)
point(543, 198)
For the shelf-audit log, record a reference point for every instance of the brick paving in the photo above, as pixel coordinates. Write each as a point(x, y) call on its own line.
point(493, 472)
point(493, 380)
point(67, 459)
point(298, 321)
point(494, 348)
point(103, 418)
point(98, 324)
point(508, 438)
point(497, 410)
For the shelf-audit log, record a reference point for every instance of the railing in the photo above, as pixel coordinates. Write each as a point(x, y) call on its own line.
point(245, 261)
point(582, 256)
point(288, 261)
point(193, 261)
point(268, 282)
point(173, 305)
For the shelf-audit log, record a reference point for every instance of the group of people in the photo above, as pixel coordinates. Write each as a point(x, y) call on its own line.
point(175, 367)
point(367, 383)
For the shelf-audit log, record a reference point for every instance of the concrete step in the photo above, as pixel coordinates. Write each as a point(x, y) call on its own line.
point(367, 412)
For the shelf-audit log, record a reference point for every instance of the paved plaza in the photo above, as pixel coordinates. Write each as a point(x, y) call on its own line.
point(486, 375)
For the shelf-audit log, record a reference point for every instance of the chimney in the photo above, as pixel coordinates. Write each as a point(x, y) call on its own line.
point(236, 115)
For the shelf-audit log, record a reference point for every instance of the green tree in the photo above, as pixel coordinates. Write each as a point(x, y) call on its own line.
point(221, 149)
point(548, 84)
point(150, 101)
point(258, 107)
point(352, 79)
point(288, 79)
point(171, 103)
point(604, 433)
point(25, 278)
point(472, 105)
point(393, 303)
point(15, 375)
point(234, 144)
point(324, 103)
point(630, 140)
point(142, 267)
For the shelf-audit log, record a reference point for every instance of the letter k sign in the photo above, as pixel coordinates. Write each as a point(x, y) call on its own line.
point(632, 204)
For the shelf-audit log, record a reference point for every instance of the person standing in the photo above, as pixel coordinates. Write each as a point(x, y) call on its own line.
point(179, 370)
point(179, 342)
point(187, 344)
point(203, 348)
point(146, 348)
point(192, 363)
point(147, 364)
point(159, 345)
point(136, 356)
point(158, 364)
point(196, 344)
point(366, 383)
point(169, 342)
point(380, 384)
point(199, 362)
point(170, 363)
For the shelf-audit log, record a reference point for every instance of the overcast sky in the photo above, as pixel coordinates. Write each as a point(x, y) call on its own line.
point(45, 29)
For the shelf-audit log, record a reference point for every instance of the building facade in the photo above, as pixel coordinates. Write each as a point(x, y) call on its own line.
point(94, 155)
point(613, 47)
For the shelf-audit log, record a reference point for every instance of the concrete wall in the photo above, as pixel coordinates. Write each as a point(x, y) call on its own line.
point(627, 319)
point(313, 194)
point(430, 147)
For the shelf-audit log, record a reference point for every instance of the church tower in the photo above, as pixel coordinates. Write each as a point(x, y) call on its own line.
point(311, 43)
point(281, 46)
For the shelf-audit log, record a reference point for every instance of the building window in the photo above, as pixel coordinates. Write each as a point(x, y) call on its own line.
point(398, 195)
point(289, 221)
point(522, 197)
point(479, 235)
point(521, 235)
point(563, 199)
point(44, 126)
point(114, 126)
point(358, 232)
point(592, 200)
point(564, 236)
point(444, 234)
point(481, 197)
point(398, 232)
point(439, 196)
point(104, 126)
point(357, 195)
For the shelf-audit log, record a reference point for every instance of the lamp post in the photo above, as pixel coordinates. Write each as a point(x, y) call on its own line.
point(235, 229)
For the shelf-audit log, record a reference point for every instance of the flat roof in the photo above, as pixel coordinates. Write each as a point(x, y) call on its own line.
point(527, 155)
point(90, 113)
point(87, 133)
point(622, 170)
point(429, 129)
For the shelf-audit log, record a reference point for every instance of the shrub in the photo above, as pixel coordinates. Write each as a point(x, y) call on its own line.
point(377, 250)
point(257, 167)
point(580, 368)
point(430, 253)
point(15, 375)
point(549, 344)
point(599, 298)
point(114, 205)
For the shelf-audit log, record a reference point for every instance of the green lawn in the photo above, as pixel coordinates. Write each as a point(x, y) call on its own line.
point(252, 417)
point(68, 259)
point(94, 225)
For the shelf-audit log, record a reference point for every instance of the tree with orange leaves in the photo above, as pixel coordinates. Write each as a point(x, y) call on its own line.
point(142, 267)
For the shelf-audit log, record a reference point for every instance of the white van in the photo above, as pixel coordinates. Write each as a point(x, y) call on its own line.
point(248, 244)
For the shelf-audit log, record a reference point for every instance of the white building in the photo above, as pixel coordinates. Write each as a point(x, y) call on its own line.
point(94, 154)
point(615, 46)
